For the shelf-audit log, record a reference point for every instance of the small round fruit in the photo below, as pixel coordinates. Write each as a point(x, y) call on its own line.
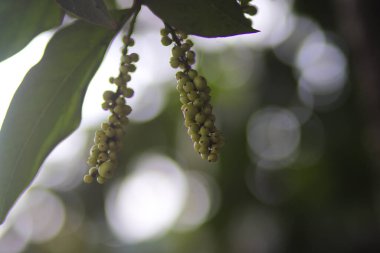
point(88, 179)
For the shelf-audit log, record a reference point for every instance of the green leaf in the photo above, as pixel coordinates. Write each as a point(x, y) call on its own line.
point(93, 11)
point(22, 20)
point(47, 106)
point(207, 18)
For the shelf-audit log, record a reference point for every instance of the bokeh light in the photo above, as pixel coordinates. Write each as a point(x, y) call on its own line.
point(202, 200)
point(149, 201)
point(273, 136)
point(38, 216)
point(321, 67)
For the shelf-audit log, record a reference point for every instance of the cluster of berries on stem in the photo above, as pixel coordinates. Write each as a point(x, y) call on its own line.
point(108, 139)
point(194, 95)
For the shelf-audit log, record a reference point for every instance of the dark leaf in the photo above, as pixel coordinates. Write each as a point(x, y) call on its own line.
point(93, 11)
point(22, 20)
point(47, 106)
point(207, 18)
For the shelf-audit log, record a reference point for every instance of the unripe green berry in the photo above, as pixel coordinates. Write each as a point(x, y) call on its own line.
point(196, 146)
point(190, 55)
point(105, 106)
point(99, 133)
point(192, 95)
point(105, 126)
point(192, 73)
point(126, 59)
point(88, 179)
point(106, 169)
point(128, 41)
point(113, 119)
point(203, 149)
point(134, 57)
point(190, 61)
point(188, 122)
point(184, 99)
point(179, 88)
point(209, 124)
point(204, 96)
point(204, 131)
point(110, 132)
point(185, 46)
point(195, 137)
point(102, 157)
point(184, 80)
point(120, 101)
point(190, 132)
point(200, 118)
point(204, 141)
point(102, 138)
point(119, 110)
point(182, 35)
point(250, 10)
point(177, 52)
point(92, 160)
point(188, 86)
point(124, 121)
point(131, 67)
point(198, 102)
point(212, 157)
point(93, 171)
point(207, 110)
point(214, 138)
point(126, 77)
point(200, 83)
point(194, 127)
point(204, 156)
point(127, 92)
point(164, 32)
point(174, 62)
point(214, 149)
point(166, 41)
point(94, 150)
point(102, 146)
point(118, 81)
point(100, 180)
point(190, 111)
point(108, 95)
point(189, 42)
point(179, 75)
point(127, 109)
point(124, 69)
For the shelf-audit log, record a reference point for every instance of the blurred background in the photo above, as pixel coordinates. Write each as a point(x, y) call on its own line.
point(299, 106)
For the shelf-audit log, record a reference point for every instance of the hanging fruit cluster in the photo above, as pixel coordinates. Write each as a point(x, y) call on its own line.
point(194, 95)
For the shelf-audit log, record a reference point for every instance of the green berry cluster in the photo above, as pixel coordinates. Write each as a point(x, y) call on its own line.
point(108, 140)
point(194, 96)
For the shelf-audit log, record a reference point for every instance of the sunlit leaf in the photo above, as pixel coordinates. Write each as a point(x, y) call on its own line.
point(47, 105)
point(207, 18)
point(22, 20)
point(94, 11)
